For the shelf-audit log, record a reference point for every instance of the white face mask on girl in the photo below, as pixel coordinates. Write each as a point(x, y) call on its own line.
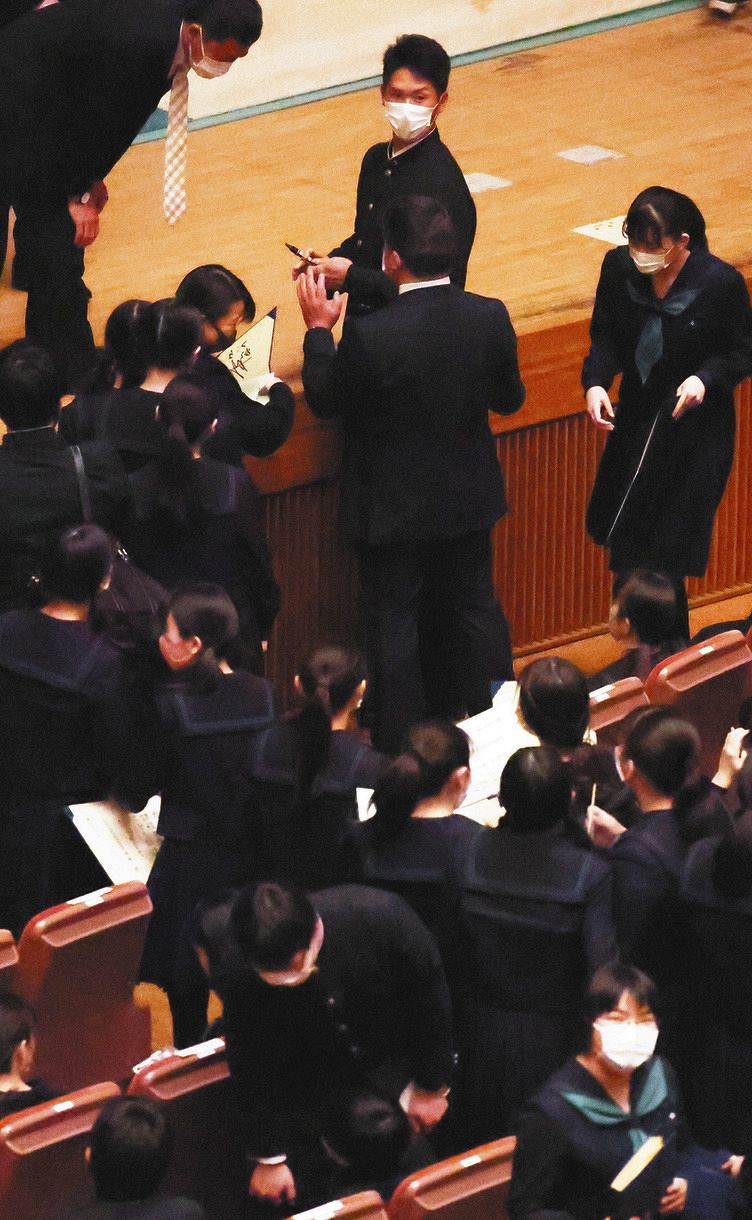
point(627, 1044)
point(649, 264)
point(207, 67)
point(407, 119)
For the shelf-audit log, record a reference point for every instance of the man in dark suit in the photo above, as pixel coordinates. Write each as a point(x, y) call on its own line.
point(421, 485)
point(339, 991)
point(77, 83)
point(39, 491)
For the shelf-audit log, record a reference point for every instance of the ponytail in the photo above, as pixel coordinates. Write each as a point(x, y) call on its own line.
point(329, 679)
point(435, 750)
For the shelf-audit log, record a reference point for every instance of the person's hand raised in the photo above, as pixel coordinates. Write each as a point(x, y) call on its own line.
point(317, 309)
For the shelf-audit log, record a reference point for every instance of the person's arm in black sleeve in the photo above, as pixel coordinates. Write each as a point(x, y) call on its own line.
point(334, 380)
point(733, 362)
point(507, 389)
point(254, 1057)
point(461, 207)
point(257, 428)
point(538, 1165)
point(639, 883)
point(603, 362)
point(427, 1006)
point(598, 936)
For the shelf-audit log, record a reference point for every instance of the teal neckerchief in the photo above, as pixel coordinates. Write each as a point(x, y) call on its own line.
point(604, 1112)
point(650, 343)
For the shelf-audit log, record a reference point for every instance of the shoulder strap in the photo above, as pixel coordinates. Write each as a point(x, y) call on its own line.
point(83, 483)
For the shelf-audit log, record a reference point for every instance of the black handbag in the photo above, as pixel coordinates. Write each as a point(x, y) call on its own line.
point(131, 609)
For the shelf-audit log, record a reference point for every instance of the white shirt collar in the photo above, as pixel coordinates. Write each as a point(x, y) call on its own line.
point(424, 284)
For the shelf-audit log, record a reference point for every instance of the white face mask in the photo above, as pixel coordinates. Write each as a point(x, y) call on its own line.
point(627, 1044)
point(207, 67)
point(649, 264)
point(408, 120)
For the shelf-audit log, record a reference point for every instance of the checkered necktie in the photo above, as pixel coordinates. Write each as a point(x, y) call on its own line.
point(174, 202)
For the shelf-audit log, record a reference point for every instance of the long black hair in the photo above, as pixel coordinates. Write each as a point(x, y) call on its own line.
point(186, 414)
point(434, 749)
point(329, 679)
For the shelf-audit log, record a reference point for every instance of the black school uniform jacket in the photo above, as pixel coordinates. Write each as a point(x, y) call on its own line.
point(413, 384)
point(428, 168)
point(379, 996)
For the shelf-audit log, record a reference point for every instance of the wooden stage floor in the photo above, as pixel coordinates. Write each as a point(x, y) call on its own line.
point(671, 96)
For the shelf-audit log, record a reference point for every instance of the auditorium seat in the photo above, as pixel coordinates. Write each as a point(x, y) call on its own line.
point(77, 966)
point(610, 705)
point(364, 1206)
point(193, 1086)
point(8, 959)
point(472, 1186)
point(42, 1168)
point(706, 684)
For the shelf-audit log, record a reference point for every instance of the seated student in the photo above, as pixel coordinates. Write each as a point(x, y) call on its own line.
point(39, 490)
point(129, 1153)
point(586, 1122)
point(415, 843)
point(18, 1088)
point(642, 620)
point(371, 1146)
point(716, 893)
point(244, 426)
point(554, 704)
point(167, 339)
point(306, 769)
point(197, 519)
point(206, 718)
point(537, 908)
point(65, 715)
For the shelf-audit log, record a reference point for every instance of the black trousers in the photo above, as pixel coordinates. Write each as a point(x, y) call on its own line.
point(58, 299)
point(436, 635)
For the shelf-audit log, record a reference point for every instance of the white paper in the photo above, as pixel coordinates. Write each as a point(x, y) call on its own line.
point(609, 231)
point(249, 357)
point(495, 735)
point(125, 844)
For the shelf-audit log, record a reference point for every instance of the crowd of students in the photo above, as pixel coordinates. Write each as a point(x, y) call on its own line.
point(433, 953)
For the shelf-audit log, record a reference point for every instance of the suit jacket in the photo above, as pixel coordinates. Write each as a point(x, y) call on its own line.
point(413, 384)
point(77, 83)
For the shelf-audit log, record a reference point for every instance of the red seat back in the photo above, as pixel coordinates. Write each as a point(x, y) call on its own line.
point(78, 964)
point(367, 1205)
point(8, 959)
point(473, 1186)
point(42, 1168)
point(194, 1088)
point(706, 684)
point(610, 705)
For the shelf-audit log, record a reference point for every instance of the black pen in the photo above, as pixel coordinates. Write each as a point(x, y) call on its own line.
point(299, 254)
